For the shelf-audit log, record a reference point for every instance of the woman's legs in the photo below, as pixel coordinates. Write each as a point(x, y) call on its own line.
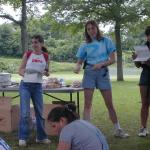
point(145, 99)
point(107, 95)
point(88, 95)
point(37, 99)
point(24, 111)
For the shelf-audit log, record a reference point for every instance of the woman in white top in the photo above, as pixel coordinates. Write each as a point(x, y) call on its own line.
point(34, 65)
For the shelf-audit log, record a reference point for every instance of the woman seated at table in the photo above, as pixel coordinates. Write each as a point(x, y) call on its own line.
point(75, 134)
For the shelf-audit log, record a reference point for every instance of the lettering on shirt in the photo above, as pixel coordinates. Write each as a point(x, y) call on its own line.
point(37, 61)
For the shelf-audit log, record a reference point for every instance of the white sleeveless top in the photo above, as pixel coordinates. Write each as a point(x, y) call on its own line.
point(34, 68)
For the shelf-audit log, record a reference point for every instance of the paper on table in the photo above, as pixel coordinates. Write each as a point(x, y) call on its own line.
point(143, 53)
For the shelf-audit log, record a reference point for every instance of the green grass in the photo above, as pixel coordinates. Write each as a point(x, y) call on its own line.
point(70, 76)
point(126, 100)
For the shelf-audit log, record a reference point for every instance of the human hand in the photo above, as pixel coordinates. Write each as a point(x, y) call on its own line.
point(98, 66)
point(134, 55)
point(21, 72)
point(46, 73)
point(77, 68)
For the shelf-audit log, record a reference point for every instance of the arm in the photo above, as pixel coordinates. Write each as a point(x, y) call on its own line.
point(81, 55)
point(63, 146)
point(78, 66)
point(21, 70)
point(137, 64)
point(112, 59)
point(46, 71)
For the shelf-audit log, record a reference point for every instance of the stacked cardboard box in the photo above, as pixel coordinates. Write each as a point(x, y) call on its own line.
point(9, 115)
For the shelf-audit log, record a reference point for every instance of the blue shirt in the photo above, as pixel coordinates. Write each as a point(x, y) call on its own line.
point(96, 51)
point(82, 135)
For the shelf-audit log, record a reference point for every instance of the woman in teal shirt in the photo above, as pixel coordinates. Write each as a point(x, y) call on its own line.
point(98, 52)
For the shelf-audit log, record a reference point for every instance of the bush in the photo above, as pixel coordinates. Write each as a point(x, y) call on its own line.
point(9, 65)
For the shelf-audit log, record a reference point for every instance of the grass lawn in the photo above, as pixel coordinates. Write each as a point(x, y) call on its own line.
point(126, 99)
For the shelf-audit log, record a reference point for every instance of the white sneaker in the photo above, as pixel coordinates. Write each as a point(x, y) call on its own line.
point(22, 143)
point(143, 132)
point(44, 141)
point(121, 133)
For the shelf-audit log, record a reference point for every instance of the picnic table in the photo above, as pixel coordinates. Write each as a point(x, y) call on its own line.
point(48, 92)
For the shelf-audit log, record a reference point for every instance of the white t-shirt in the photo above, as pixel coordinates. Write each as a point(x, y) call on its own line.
point(34, 68)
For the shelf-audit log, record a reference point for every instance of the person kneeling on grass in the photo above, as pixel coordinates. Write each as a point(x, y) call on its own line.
point(75, 134)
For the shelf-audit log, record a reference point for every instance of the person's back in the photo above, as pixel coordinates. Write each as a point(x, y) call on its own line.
point(82, 135)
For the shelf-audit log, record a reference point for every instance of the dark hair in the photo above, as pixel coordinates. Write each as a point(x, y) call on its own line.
point(67, 111)
point(99, 33)
point(41, 40)
point(147, 31)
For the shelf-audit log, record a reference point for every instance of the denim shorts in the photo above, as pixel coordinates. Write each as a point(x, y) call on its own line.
point(145, 77)
point(98, 78)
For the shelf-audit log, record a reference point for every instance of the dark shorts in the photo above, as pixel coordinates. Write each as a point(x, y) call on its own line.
point(145, 77)
point(96, 78)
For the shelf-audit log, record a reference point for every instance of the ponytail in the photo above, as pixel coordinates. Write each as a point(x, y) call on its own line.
point(67, 111)
point(44, 49)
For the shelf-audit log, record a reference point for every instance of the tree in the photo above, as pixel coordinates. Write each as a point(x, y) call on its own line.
point(116, 12)
point(22, 22)
point(61, 44)
point(9, 37)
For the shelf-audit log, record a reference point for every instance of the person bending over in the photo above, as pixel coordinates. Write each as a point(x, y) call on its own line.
point(75, 134)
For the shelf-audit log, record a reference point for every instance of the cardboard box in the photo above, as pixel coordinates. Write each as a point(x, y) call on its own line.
point(9, 115)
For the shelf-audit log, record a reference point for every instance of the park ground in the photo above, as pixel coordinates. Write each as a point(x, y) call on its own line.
point(126, 100)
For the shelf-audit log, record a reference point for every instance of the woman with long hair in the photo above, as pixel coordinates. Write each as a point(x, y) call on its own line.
point(97, 53)
point(34, 65)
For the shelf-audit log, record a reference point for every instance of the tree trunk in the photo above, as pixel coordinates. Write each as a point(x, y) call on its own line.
point(24, 44)
point(119, 52)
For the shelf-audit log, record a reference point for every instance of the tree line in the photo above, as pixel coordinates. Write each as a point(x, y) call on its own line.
point(124, 15)
point(61, 46)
